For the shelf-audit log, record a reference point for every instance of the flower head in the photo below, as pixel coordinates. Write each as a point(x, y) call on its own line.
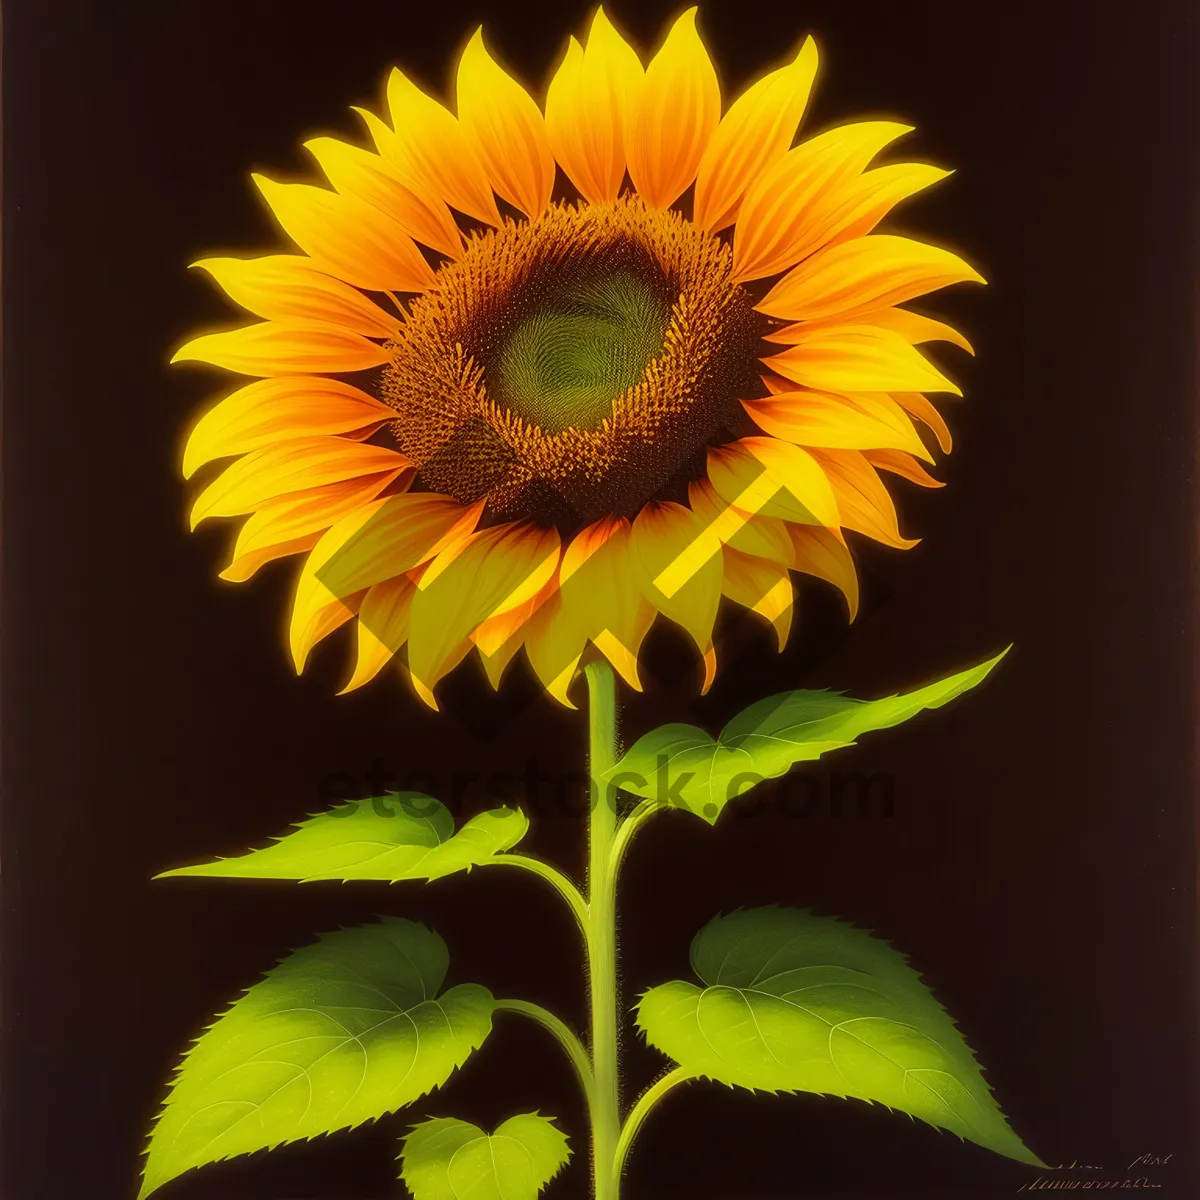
point(540, 375)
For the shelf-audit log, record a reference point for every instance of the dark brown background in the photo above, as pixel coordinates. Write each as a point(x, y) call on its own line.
point(1039, 865)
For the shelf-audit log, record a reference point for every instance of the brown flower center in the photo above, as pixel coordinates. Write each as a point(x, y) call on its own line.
point(575, 366)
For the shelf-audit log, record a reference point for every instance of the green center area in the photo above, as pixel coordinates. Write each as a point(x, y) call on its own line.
point(582, 345)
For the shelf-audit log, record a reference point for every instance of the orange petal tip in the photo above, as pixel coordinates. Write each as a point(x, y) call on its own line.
point(426, 695)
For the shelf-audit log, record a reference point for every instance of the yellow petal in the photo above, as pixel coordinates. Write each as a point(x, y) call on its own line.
point(866, 273)
point(383, 623)
point(407, 531)
point(506, 129)
point(284, 348)
point(434, 147)
point(753, 135)
point(798, 472)
point(765, 476)
point(292, 466)
point(761, 585)
point(399, 164)
point(273, 410)
point(587, 166)
point(864, 504)
point(244, 566)
point(857, 358)
point(370, 178)
point(588, 542)
point(620, 641)
point(924, 411)
point(675, 116)
point(677, 559)
point(903, 465)
point(381, 540)
point(299, 519)
point(601, 597)
point(742, 483)
point(282, 287)
point(504, 646)
point(499, 637)
point(328, 619)
point(822, 553)
point(491, 572)
point(317, 612)
point(756, 535)
point(913, 327)
point(810, 418)
point(588, 110)
point(774, 225)
point(888, 411)
point(855, 208)
point(347, 237)
point(553, 647)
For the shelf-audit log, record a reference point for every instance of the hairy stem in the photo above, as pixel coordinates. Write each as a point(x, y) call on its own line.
point(641, 1110)
point(628, 827)
point(563, 1035)
point(564, 887)
point(602, 931)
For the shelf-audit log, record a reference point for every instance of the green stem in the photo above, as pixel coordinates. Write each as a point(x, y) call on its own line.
point(641, 1110)
point(563, 1035)
point(564, 887)
point(602, 932)
point(628, 827)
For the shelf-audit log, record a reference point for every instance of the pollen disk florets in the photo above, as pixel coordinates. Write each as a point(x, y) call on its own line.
point(548, 369)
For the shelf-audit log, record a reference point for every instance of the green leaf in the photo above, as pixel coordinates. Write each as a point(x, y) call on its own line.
point(791, 1002)
point(402, 836)
point(681, 766)
point(452, 1160)
point(340, 1032)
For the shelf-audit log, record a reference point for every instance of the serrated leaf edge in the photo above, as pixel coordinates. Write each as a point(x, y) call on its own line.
point(196, 870)
point(193, 1042)
point(905, 958)
point(568, 1152)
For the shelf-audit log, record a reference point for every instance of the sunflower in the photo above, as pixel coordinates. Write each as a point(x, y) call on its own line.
point(539, 375)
